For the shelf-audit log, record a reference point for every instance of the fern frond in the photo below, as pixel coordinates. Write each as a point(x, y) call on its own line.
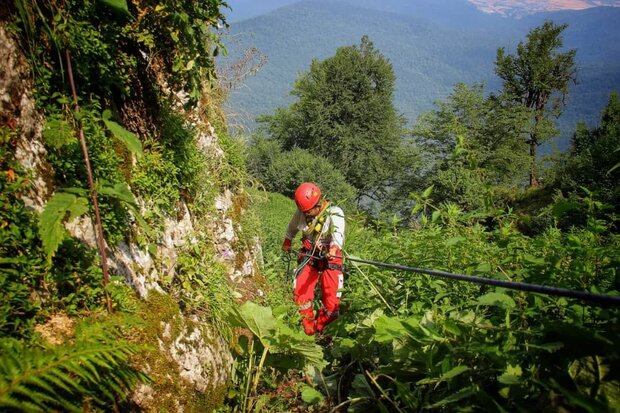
point(51, 229)
point(37, 380)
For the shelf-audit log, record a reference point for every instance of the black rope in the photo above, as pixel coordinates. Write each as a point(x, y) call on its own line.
point(599, 299)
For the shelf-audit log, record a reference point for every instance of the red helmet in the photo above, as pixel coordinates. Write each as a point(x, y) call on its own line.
point(307, 196)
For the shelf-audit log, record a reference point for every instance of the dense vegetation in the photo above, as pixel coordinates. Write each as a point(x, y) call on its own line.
point(449, 196)
point(138, 69)
point(411, 342)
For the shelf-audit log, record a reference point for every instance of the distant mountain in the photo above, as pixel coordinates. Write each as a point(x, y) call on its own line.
point(244, 9)
point(520, 8)
point(432, 44)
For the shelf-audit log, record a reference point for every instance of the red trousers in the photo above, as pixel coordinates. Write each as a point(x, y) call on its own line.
point(330, 276)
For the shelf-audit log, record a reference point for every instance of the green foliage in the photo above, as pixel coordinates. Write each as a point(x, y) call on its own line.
point(201, 282)
point(538, 77)
point(273, 345)
point(474, 149)
point(107, 160)
point(105, 39)
point(21, 257)
point(95, 372)
point(345, 114)
point(283, 171)
point(407, 342)
point(437, 337)
point(155, 181)
point(63, 205)
point(130, 140)
point(179, 143)
point(232, 171)
point(591, 160)
point(180, 34)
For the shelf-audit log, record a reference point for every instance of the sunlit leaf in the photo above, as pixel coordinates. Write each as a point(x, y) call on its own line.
point(130, 140)
point(497, 299)
point(57, 133)
point(119, 6)
point(310, 395)
point(62, 206)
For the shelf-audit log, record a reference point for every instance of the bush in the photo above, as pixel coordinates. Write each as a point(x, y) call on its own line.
point(282, 172)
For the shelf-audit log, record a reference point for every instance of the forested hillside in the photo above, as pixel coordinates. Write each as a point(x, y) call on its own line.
point(141, 243)
point(432, 47)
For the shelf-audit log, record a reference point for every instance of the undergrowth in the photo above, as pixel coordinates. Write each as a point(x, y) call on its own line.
point(408, 342)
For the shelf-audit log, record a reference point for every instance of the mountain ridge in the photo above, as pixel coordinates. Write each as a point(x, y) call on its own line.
point(428, 57)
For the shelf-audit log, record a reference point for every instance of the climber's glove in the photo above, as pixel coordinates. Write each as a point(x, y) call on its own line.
point(286, 245)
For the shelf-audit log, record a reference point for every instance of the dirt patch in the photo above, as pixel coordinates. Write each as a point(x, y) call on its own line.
point(57, 330)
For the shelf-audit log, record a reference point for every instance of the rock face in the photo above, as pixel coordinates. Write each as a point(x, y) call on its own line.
point(201, 355)
point(17, 104)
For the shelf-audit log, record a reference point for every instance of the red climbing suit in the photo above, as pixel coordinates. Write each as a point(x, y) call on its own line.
point(322, 235)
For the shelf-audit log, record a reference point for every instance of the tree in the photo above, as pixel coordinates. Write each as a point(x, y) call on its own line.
point(472, 146)
point(344, 113)
point(538, 77)
point(282, 171)
point(593, 155)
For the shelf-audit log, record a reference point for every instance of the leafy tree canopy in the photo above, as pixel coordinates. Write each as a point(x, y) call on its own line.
point(593, 155)
point(537, 76)
point(344, 113)
point(472, 142)
point(282, 171)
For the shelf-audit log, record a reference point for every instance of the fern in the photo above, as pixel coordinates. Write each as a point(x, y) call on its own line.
point(38, 380)
point(51, 228)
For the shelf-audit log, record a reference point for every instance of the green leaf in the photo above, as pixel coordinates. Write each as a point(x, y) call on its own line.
point(446, 376)
point(119, 6)
point(455, 240)
point(259, 320)
point(454, 397)
point(310, 395)
point(454, 372)
point(497, 299)
point(119, 190)
point(295, 342)
point(387, 329)
point(530, 259)
point(57, 133)
point(51, 228)
point(130, 140)
point(427, 192)
point(512, 375)
point(483, 267)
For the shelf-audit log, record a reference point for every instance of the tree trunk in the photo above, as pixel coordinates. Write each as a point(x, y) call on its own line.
point(533, 181)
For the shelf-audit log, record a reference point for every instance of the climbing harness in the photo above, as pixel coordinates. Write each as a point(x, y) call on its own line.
point(594, 298)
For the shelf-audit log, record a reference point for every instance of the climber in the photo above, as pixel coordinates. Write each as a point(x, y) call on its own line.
point(322, 228)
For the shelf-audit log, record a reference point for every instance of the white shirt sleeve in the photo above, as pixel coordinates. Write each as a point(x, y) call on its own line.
point(293, 225)
point(336, 226)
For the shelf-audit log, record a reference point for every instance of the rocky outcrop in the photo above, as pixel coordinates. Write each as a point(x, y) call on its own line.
point(17, 105)
point(201, 355)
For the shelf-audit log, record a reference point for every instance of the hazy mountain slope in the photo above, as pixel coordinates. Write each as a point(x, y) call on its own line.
point(451, 13)
point(244, 9)
point(429, 56)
